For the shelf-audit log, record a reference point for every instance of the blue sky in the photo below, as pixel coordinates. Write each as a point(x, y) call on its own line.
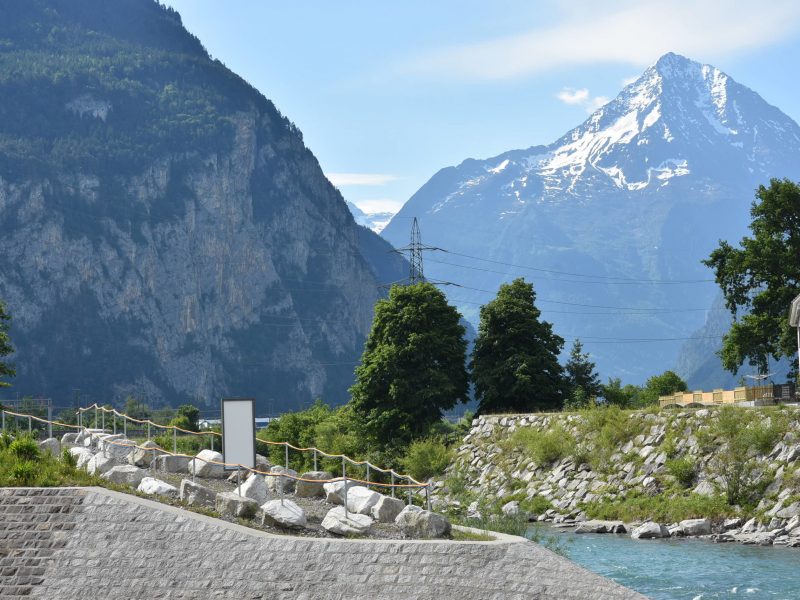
point(386, 94)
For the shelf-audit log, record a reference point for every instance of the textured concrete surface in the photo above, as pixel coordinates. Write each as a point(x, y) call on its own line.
point(93, 543)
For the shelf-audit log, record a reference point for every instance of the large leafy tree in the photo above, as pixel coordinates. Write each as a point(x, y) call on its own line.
point(760, 279)
point(412, 368)
point(6, 369)
point(580, 372)
point(515, 360)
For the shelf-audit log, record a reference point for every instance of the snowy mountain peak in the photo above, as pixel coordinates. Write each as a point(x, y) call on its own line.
point(678, 117)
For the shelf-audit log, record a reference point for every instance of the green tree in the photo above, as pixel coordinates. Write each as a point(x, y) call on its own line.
point(187, 417)
point(412, 368)
point(761, 278)
point(6, 370)
point(580, 372)
point(660, 385)
point(515, 360)
point(615, 394)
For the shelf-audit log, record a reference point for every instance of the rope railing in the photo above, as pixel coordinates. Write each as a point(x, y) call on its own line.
point(412, 484)
point(351, 461)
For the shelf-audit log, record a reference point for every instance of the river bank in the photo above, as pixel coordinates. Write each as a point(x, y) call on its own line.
point(735, 469)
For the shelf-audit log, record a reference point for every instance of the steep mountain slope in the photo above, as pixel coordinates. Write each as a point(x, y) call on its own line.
point(612, 219)
point(164, 232)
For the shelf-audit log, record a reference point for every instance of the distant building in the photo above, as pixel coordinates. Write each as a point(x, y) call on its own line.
point(757, 395)
point(204, 424)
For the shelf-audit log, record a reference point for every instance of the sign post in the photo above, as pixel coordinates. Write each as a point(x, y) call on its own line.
point(238, 433)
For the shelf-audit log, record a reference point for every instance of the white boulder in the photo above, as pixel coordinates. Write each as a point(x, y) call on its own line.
point(172, 464)
point(193, 493)
point(649, 530)
point(69, 438)
point(100, 464)
point(125, 474)
point(692, 527)
point(334, 491)
point(254, 488)
point(386, 509)
point(311, 489)
point(156, 487)
point(283, 512)
point(361, 500)
point(82, 455)
point(234, 505)
point(204, 465)
point(143, 455)
point(281, 484)
point(50, 445)
point(336, 521)
point(416, 522)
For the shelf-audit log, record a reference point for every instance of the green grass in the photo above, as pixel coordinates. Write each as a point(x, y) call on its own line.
point(459, 535)
point(661, 508)
point(544, 447)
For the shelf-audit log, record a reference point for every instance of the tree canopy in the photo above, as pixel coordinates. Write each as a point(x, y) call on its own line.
point(515, 360)
point(6, 369)
point(580, 372)
point(412, 368)
point(760, 279)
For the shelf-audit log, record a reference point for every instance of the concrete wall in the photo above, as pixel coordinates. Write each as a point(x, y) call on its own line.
point(93, 543)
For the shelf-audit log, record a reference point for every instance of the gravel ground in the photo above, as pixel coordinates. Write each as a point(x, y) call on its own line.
point(315, 509)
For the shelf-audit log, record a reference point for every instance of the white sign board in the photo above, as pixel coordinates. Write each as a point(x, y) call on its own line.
point(239, 432)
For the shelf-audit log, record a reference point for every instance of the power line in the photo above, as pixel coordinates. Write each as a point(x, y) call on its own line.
point(611, 279)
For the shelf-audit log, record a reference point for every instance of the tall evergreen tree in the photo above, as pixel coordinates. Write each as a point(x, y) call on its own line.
point(515, 360)
point(580, 372)
point(412, 368)
point(6, 370)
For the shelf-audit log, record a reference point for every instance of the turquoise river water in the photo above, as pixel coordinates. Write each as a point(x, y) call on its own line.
point(686, 569)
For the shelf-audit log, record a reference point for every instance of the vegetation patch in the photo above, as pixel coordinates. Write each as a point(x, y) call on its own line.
point(661, 508)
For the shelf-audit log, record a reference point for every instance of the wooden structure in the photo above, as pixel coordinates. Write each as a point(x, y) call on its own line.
point(757, 395)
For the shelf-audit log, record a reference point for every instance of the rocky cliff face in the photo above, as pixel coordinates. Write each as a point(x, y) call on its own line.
point(166, 233)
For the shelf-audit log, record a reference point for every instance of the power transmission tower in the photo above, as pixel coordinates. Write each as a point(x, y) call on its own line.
point(415, 249)
point(417, 274)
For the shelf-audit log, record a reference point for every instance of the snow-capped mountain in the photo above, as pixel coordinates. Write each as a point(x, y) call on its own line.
point(616, 214)
point(374, 221)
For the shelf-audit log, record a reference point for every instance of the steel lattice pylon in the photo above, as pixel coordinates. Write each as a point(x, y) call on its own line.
point(416, 273)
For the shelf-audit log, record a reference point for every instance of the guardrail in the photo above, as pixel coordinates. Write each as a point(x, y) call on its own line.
point(411, 485)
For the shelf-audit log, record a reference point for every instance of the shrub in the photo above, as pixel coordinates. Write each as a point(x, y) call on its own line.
point(23, 473)
point(744, 436)
point(69, 459)
point(427, 458)
point(682, 469)
point(24, 448)
point(536, 505)
point(544, 447)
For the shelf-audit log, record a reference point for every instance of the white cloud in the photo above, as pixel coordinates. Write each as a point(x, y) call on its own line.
point(346, 179)
point(376, 205)
point(633, 32)
point(629, 80)
point(582, 97)
point(570, 96)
